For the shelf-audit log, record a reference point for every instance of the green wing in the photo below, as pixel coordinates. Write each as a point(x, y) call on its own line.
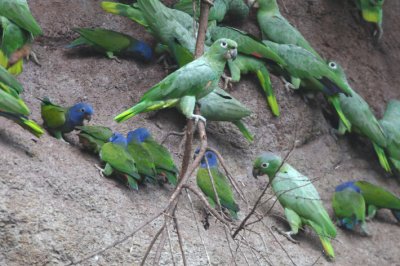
point(13, 37)
point(105, 40)
point(348, 204)
point(18, 12)
point(12, 104)
point(391, 125)
point(126, 11)
point(119, 159)
point(97, 132)
point(377, 196)
point(10, 81)
point(143, 159)
point(222, 186)
point(53, 116)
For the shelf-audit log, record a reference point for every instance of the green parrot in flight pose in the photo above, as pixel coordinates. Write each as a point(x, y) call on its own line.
point(188, 84)
point(18, 28)
point(158, 155)
point(93, 138)
point(59, 120)
point(299, 198)
point(371, 11)
point(391, 125)
point(221, 183)
point(118, 160)
point(274, 27)
point(113, 43)
point(234, 9)
point(12, 106)
point(353, 200)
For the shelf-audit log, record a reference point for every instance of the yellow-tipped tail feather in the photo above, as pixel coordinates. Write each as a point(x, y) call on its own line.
point(17, 68)
point(265, 82)
point(382, 158)
point(246, 133)
point(3, 60)
point(334, 100)
point(32, 127)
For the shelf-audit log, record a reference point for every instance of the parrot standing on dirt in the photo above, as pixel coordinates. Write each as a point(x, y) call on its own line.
point(371, 11)
point(347, 206)
point(118, 160)
point(12, 106)
point(299, 198)
point(221, 183)
point(221, 106)
point(274, 27)
point(360, 117)
point(163, 161)
point(144, 161)
point(59, 120)
point(93, 138)
point(18, 28)
point(234, 9)
point(112, 43)
point(391, 125)
point(188, 84)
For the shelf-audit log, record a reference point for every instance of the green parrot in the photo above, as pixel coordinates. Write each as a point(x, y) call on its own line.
point(235, 9)
point(371, 11)
point(360, 117)
point(351, 210)
point(391, 125)
point(163, 161)
point(12, 106)
point(298, 197)
point(188, 84)
point(112, 42)
point(221, 106)
point(93, 138)
point(244, 64)
point(59, 120)
point(274, 27)
point(18, 27)
point(118, 160)
point(349, 207)
point(221, 182)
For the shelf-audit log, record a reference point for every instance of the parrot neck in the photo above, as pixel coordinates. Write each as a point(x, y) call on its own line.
point(268, 6)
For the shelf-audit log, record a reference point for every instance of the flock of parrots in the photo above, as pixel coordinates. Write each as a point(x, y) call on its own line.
point(281, 51)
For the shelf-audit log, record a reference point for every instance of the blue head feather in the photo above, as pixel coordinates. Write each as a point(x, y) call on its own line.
point(348, 223)
point(139, 135)
point(141, 50)
point(118, 138)
point(348, 185)
point(211, 159)
point(79, 112)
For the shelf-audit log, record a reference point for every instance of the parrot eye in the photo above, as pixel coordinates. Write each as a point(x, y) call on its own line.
point(82, 110)
point(332, 65)
point(265, 165)
point(224, 44)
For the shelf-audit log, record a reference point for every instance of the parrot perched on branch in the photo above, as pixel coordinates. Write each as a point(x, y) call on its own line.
point(188, 84)
point(391, 126)
point(299, 198)
point(118, 160)
point(163, 161)
point(354, 199)
point(113, 43)
point(18, 28)
point(274, 27)
point(235, 10)
point(221, 183)
point(93, 138)
point(12, 106)
point(59, 120)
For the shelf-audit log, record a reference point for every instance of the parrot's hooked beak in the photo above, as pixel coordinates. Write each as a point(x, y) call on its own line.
point(88, 117)
point(232, 54)
point(256, 172)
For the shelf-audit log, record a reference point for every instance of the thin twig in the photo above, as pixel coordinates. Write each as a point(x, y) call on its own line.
point(170, 246)
point(153, 241)
point(180, 240)
point(160, 247)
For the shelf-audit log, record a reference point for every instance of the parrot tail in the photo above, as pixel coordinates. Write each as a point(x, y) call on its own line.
point(132, 183)
point(263, 77)
point(324, 238)
point(334, 100)
point(396, 214)
point(144, 106)
point(382, 158)
point(125, 11)
point(25, 123)
point(244, 130)
point(16, 68)
point(3, 60)
point(78, 42)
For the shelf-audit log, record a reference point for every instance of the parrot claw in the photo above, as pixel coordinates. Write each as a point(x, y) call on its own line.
point(34, 58)
point(289, 86)
point(210, 2)
point(197, 118)
point(288, 234)
point(101, 170)
point(227, 81)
